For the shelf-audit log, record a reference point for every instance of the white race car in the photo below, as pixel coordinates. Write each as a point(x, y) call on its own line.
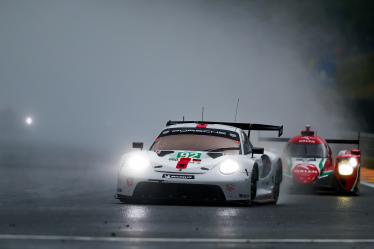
point(202, 161)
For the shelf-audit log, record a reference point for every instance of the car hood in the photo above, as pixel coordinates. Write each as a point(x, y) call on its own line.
point(178, 161)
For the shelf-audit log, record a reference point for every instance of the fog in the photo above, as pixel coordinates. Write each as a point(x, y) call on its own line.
point(105, 73)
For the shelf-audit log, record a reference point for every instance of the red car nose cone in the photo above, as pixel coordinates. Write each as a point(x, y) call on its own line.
point(305, 174)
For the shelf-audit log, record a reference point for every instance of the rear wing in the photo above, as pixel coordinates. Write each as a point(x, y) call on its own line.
point(274, 139)
point(343, 141)
point(330, 141)
point(244, 126)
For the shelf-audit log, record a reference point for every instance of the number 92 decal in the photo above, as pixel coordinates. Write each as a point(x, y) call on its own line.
point(186, 154)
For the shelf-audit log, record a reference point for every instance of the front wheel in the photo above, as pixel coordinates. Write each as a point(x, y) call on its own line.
point(275, 192)
point(276, 187)
point(354, 192)
point(254, 179)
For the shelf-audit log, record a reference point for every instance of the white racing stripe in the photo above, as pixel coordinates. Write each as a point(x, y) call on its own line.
point(182, 240)
point(371, 185)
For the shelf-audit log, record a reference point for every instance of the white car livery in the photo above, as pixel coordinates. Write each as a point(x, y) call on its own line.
point(202, 161)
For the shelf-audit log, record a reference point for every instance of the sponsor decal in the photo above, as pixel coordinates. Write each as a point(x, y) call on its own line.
point(165, 132)
point(175, 176)
point(200, 131)
point(187, 154)
point(193, 157)
point(307, 140)
point(305, 174)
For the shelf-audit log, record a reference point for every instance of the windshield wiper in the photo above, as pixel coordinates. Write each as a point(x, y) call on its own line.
point(222, 149)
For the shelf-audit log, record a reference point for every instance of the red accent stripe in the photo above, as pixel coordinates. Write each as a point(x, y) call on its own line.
point(201, 126)
point(183, 163)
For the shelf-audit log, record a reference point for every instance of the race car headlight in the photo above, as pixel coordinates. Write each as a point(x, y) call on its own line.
point(228, 167)
point(345, 168)
point(135, 165)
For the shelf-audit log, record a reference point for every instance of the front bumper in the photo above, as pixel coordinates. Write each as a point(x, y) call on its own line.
point(204, 187)
point(327, 182)
point(177, 191)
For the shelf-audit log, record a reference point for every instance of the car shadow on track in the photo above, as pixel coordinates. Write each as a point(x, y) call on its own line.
point(196, 203)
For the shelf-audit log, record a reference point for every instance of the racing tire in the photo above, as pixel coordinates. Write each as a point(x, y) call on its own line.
point(355, 192)
point(343, 192)
point(356, 189)
point(276, 188)
point(275, 193)
point(254, 179)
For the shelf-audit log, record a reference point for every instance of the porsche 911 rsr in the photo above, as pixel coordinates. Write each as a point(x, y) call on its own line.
point(202, 161)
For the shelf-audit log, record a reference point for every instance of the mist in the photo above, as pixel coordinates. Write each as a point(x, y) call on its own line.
point(102, 74)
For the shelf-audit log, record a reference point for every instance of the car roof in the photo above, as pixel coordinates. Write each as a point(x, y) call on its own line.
point(307, 140)
point(205, 126)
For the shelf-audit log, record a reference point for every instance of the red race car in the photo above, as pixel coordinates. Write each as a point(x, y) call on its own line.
point(309, 162)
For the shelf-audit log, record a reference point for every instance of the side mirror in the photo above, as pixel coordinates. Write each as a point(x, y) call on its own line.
point(138, 145)
point(257, 150)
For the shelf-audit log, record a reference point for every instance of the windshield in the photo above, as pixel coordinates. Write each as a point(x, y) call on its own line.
point(212, 140)
point(306, 150)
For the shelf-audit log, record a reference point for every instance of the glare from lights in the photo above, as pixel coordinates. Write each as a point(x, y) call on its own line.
point(135, 212)
point(228, 167)
point(228, 212)
point(29, 121)
point(135, 165)
point(345, 169)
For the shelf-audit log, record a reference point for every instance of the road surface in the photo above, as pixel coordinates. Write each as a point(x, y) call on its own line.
point(73, 207)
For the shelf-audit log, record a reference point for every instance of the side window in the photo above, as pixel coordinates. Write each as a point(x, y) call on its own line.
point(246, 144)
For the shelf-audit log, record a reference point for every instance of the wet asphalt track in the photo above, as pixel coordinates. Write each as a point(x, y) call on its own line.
point(75, 208)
